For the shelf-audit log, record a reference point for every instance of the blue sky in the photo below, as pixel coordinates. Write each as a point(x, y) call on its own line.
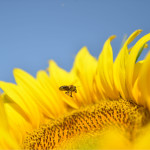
point(34, 31)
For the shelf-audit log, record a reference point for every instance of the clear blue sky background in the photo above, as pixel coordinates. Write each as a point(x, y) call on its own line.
point(35, 31)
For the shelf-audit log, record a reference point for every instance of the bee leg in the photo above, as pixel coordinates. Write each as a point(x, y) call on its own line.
point(75, 91)
point(67, 92)
point(70, 93)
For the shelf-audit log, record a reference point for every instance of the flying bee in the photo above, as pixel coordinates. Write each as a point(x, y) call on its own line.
point(69, 89)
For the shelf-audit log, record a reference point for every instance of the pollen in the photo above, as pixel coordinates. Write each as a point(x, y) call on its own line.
point(123, 114)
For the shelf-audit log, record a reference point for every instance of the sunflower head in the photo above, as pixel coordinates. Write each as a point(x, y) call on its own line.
point(99, 104)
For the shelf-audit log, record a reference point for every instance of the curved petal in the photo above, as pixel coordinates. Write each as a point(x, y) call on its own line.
point(105, 71)
point(12, 92)
point(85, 67)
point(6, 140)
point(56, 105)
point(132, 59)
point(18, 126)
point(33, 90)
point(120, 64)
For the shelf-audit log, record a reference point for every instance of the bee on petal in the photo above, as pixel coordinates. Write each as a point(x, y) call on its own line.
point(69, 89)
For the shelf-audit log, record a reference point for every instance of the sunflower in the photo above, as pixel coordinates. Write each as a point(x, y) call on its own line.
point(98, 104)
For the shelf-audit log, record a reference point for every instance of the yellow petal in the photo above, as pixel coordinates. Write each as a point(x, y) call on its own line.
point(137, 70)
point(33, 90)
point(145, 46)
point(3, 118)
point(6, 140)
point(22, 105)
point(55, 100)
point(132, 58)
point(136, 93)
point(17, 100)
point(120, 67)
point(133, 36)
point(85, 67)
point(144, 82)
point(105, 71)
point(18, 126)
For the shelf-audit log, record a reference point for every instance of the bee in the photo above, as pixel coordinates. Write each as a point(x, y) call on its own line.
point(69, 89)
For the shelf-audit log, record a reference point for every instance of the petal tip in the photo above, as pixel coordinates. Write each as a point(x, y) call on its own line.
point(52, 62)
point(84, 49)
point(16, 70)
point(112, 37)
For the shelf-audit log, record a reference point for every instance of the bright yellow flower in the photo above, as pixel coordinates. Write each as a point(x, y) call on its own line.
point(98, 104)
